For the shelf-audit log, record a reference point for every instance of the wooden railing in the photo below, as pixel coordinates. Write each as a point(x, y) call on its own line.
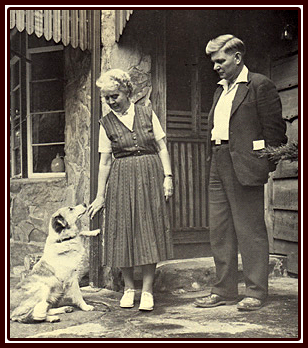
point(181, 124)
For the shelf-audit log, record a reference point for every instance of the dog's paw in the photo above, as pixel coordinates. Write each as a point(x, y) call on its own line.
point(52, 319)
point(68, 309)
point(86, 307)
point(90, 233)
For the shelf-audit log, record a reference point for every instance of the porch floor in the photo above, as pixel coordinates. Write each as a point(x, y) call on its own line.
point(174, 317)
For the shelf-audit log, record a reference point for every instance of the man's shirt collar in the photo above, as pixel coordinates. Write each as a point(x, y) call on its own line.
point(242, 77)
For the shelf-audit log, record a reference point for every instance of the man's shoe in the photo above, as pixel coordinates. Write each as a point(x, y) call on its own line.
point(250, 304)
point(213, 300)
point(127, 300)
point(146, 301)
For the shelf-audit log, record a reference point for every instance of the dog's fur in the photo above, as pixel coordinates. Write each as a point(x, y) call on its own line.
point(55, 276)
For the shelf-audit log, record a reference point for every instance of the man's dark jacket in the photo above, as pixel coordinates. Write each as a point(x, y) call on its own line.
point(256, 115)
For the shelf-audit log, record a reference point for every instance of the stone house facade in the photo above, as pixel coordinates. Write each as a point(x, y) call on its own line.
point(34, 200)
point(163, 52)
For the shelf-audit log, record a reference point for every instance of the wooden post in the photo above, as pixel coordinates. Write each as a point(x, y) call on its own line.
point(159, 83)
point(96, 242)
point(23, 111)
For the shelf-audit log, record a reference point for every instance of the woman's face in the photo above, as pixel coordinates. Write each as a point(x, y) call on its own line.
point(116, 99)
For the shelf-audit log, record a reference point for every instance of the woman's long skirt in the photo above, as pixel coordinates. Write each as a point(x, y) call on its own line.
point(137, 229)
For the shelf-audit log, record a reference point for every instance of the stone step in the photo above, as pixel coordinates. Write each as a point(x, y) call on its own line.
point(178, 275)
point(199, 273)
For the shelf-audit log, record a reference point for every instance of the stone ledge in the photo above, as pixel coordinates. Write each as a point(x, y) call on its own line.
point(182, 275)
point(199, 273)
point(19, 250)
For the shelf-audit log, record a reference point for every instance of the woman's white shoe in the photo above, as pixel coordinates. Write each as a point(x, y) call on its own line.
point(146, 301)
point(127, 300)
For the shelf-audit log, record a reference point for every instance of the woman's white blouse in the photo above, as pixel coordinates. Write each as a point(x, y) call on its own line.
point(104, 143)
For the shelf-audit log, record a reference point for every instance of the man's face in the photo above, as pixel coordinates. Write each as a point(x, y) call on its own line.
point(226, 64)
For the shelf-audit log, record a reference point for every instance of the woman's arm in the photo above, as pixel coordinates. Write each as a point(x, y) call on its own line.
point(165, 160)
point(103, 174)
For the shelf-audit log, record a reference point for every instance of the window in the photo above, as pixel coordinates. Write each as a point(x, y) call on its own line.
point(15, 108)
point(38, 119)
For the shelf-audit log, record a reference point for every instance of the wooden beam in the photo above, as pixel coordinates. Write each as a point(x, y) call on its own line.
point(23, 90)
point(159, 80)
point(96, 242)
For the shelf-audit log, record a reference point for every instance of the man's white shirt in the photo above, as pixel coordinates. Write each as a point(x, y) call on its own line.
point(223, 107)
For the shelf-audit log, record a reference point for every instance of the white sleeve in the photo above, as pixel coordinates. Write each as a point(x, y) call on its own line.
point(157, 128)
point(104, 143)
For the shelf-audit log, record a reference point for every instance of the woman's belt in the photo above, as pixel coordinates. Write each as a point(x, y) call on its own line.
point(135, 153)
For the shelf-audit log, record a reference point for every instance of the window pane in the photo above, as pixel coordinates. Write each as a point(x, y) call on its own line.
point(17, 166)
point(15, 104)
point(15, 44)
point(47, 65)
point(48, 128)
point(15, 159)
point(17, 136)
point(15, 75)
point(43, 156)
point(34, 41)
point(47, 96)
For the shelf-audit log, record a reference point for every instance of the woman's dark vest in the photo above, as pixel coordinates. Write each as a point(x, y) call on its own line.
point(124, 142)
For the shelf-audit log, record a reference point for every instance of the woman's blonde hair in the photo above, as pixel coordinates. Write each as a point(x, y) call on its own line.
point(115, 78)
point(229, 43)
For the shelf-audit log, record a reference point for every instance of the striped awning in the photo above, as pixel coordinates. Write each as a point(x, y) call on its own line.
point(121, 18)
point(68, 26)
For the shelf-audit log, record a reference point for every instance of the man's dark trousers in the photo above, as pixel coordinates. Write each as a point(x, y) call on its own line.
point(236, 221)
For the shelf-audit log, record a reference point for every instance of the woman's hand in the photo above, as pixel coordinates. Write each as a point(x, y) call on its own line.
point(168, 187)
point(95, 206)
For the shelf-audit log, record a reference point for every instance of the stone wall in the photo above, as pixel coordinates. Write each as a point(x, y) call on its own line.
point(33, 201)
point(77, 129)
point(32, 204)
point(130, 54)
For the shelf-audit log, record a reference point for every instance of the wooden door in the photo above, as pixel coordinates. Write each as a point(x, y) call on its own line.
point(188, 102)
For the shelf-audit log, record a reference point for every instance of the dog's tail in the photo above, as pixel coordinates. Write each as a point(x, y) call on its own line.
point(23, 301)
point(23, 314)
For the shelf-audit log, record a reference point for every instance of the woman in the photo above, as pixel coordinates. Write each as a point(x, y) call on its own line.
point(137, 231)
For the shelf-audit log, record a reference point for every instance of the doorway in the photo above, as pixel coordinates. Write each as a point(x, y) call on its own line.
point(190, 86)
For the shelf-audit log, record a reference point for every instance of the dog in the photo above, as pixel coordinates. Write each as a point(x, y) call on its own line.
point(55, 276)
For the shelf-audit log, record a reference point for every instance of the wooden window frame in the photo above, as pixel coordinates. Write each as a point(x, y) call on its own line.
point(30, 145)
point(13, 61)
point(23, 58)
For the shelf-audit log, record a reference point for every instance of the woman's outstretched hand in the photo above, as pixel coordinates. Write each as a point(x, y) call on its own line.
point(95, 206)
point(168, 187)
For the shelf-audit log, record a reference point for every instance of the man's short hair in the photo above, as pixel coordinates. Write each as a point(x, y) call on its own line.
point(229, 43)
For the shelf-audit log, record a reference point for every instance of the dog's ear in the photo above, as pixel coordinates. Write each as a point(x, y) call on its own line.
point(59, 223)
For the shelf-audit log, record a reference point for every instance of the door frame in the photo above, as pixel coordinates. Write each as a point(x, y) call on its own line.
point(188, 241)
point(95, 256)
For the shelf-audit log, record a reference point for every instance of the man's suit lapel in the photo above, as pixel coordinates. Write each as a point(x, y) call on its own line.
point(215, 100)
point(240, 95)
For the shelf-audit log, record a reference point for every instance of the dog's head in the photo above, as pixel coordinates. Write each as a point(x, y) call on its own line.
point(62, 225)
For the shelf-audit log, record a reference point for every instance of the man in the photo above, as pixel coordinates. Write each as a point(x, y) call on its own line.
point(245, 117)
